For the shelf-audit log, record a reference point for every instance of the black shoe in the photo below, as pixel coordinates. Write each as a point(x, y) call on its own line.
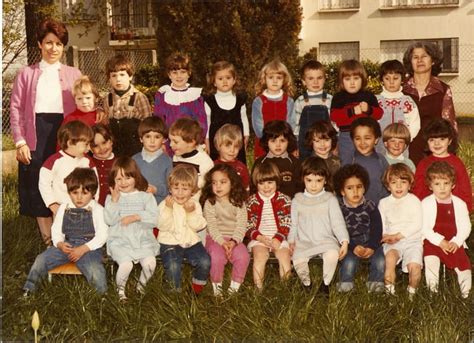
point(323, 289)
point(308, 288)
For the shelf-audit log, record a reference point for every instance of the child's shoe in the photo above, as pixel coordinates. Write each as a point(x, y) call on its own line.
point(323, 289)
point(234, 286)
point(217, 288)
point(390, 289)
point(197, 288)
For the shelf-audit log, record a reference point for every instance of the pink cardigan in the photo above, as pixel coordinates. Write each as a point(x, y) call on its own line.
point(22, 102)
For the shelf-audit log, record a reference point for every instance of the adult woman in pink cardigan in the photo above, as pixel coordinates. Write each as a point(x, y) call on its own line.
point(41, 97)
point(433, 97)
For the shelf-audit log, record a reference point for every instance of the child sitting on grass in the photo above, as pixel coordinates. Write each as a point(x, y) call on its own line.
point(180, 218)
point(446, 226)
point(401, 222)
point(78, 233)
point(364, 225)
point(269, 222)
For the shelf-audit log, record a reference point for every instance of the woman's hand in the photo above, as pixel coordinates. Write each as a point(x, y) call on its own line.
point(23, 154)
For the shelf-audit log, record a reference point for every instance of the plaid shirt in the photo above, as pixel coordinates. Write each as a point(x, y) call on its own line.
point(120, 109)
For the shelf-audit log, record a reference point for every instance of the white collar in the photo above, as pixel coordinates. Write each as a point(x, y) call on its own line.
point(224, 94)
point(112, 156)
point(309, 195)
point(398, 158)
point(89, 206)
point(391, 95)
point(315, 93)
point(151, 156)
point(177, 97)
point(273, 96)
point(43, 65)
point(264, 198)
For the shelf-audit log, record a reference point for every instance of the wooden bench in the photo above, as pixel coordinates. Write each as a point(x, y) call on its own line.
point(69, 268)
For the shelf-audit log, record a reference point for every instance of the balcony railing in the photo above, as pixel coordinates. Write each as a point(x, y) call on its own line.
point(400, 4)
point(338, 5)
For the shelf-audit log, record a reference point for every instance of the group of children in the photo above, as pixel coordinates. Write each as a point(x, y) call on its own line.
point(331, 179)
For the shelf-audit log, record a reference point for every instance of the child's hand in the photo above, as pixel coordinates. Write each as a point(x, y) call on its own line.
point(453, 247)
point(445, 246)
point(275, 244)
point(357, 109)
point(151, 189)
point(368, 252)
point(101, 117)
point(228, 247)
point(364, 106)
point(264, 240)
point(115, 193)
point(296, 153)
point(189, 206)
point(54, 208)
point(64, 247)
point(169, 201)
point(343, 250)
point(77, 252)
point(359, 251)
point(130, 219)
point(391, 239)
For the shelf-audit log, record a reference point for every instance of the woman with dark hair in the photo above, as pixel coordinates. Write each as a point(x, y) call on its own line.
point(433, 97)
point(41, 97)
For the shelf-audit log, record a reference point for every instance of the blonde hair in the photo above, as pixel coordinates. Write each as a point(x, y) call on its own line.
point(274, 66)
point(84, 85)
point(397, 130)
point(398, 170)
point(184, 174)
point(349, 68)
point(217, 67)
point(228, 134)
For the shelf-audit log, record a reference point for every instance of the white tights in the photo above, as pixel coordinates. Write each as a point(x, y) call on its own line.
point(432, 264)
point(148, 267)
point(330, 259)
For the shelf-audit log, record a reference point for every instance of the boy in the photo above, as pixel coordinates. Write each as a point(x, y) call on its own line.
point(396, 138)
point(314, 104)
point(180, 217)
point(86, 97)
point(78, 233)
point(397, 107)
point(125, 106)
point(185, 136)
point(73, 139)
point(153, 163)
point(365, 133)
point(401, 219)
point(446, 226)
point(364, 225)
point(228, 141)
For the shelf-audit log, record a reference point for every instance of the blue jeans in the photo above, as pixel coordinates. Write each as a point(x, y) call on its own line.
point(90, 265)
point(346, 148)
point(349, 268)
point(172, 257)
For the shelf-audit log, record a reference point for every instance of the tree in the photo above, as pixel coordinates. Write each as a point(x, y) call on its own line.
point(246, 33)
point(13, 27)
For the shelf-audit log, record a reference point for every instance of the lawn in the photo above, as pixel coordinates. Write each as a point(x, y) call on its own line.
point(70, 310)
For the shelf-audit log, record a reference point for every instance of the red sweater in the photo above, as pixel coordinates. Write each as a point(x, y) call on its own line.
point(462, 188)
point(87, 118)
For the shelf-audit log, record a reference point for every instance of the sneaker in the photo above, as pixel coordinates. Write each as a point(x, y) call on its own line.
point(26, 293)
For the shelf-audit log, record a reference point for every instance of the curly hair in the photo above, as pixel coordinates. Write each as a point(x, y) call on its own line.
point(321, 129)
point(276, 128)
point(237, 195)
point(431, 49)
point(441, 128)
point(348, 171)
point(277, 67)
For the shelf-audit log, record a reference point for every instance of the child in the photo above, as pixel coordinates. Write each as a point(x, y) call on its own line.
point(401, 222)
point(318, 227)
point(365, 132)
point(78, 233)
point(278, 141)
point(73, 139)
point(313, 105)
point(125, 106)
point(180, 217)
point(397, 107)
point(274, 99)
point(269, 222)
point(364, 225)
point(86, 97)
point(440, 138)
point(224, 106)
point(224, 198)
point(396, 138)
point(153, 163)
point(185, 136)
point(179, 100)
point(131, 214)
point(103, 157)
point(446, 226)
point(321, 138)
point(352, 102)
point(228, 141)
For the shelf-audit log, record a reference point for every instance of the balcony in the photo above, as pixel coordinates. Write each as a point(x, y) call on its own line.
point(417, 4)
point(338, 5)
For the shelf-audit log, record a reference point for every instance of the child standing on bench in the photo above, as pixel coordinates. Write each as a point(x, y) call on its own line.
point(78, 233)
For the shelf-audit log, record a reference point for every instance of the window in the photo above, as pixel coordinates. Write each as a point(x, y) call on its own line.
point(79, 10)
point(394, 4)
point(331, 52)
point(390, 50)
point(338, 5)
point(131, 18)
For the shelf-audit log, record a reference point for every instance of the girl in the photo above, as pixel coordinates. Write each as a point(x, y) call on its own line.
point(321, 138)
point(269, 221)
point(224, 106)
point(131, 214)
point(274, 91)
point(279, 142)
point(440, 138)
point(179, 100)
point(351, 102)
point(224, 197)
point(318, 227)
point(103, 157)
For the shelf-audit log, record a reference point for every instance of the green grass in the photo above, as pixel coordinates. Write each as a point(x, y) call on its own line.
point(7, 142)
point(70, 310)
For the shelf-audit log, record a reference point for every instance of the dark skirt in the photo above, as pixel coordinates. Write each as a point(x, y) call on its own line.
point(31, 202)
